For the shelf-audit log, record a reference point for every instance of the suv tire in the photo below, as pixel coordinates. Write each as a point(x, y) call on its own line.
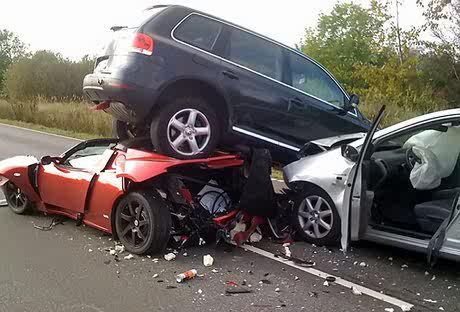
point(186, 128)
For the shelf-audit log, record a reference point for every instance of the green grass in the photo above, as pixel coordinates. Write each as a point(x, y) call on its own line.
point(73, 118)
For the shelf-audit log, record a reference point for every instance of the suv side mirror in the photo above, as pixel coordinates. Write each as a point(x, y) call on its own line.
point(352, 103)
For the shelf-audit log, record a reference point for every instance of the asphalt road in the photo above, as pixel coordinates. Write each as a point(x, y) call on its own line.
point(67, 268)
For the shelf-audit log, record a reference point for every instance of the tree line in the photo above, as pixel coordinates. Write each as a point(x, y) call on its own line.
point(412, 71)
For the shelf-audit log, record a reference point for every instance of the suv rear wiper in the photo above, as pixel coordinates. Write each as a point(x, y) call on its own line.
point(117, 28)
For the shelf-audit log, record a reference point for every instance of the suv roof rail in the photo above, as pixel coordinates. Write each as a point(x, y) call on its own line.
point(157, 6)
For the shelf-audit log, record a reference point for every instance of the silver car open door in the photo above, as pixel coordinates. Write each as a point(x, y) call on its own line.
point(350, 217)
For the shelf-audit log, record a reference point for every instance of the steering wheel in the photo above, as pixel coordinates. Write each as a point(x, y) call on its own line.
point(411, 158)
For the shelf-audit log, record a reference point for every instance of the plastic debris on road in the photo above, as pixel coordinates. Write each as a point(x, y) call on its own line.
point(430, 301)
point(199, 291)
point(356, 291)
point(389, 310)
point(277, 289)
point(287, 251)
point(208, 260)
point(155, 275)
point(363, 264)
point(170, 256)
point(120, 248)
point(201, 242)
point(188, 275)
point(112, 252)
point(128, 257)
point(405, 308)
point(255, 237)
point(215, 271)
point(404, 266)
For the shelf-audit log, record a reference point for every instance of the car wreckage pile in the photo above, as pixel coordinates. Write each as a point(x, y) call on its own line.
point(147, 200)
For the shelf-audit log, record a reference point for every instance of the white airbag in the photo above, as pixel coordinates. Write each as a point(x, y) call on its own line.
point(425, 176)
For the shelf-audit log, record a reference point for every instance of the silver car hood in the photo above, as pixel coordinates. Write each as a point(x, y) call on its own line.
point(336, 140)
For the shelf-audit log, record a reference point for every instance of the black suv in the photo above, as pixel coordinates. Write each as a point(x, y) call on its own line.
point(195, 82)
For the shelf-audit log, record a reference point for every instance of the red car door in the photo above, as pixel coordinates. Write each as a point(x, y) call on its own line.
point(65, 183)
point(64, 186)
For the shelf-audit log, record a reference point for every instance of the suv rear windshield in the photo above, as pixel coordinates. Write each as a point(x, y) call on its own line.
point(199, 31)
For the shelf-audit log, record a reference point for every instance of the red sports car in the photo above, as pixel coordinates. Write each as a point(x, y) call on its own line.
point(137, 195)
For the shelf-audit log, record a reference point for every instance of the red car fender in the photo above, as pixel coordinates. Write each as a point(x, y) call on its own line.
point(16, 170)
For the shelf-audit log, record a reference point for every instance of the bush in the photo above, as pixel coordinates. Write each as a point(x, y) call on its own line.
point(46, 74)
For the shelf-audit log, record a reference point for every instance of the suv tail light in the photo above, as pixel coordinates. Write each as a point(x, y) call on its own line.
point(142, 44)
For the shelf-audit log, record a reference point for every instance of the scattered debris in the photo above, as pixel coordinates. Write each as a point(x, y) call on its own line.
point(296, 278)
point(405, 308)
point(112, 252)
point(188, 275)
point(326, 283)
point(49, 227)
point(128, 257)
point(363, 264)
point(356, 291)
point(171, 287)
point(313, 294)
point(441, 308)
point(255, 237)
point(390, 258)
point(330, 279)
point(160, 281)
point(120, 248)
point(277, 289)
point(237, 290)
point(208, 260)
point(404, 266)
point(201, 242)
point(287, 251)
point(185, 254)
point(215, 271)
point(199, 291)
point(155, 275)
point(430, 301)
point(170, 256)
point(116, 259)
point(265, 281)
point(427, 273)
point(433, 278)
point(90, 250)
point(389, 310)
point(155, 260)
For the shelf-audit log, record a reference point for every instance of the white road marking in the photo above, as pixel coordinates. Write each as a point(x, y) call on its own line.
point(3, 202)
point(405, 306)
point(41, 132)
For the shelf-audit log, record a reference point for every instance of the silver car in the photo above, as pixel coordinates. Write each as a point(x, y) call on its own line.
point(361, 187)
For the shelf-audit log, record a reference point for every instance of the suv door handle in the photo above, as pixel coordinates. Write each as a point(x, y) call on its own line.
point(230, 74)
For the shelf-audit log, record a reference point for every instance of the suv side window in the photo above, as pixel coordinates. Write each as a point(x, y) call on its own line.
point(199, 31)
point(308, 77)
point(255, 53)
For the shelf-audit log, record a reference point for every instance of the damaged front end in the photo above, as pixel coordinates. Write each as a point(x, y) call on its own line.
point(20, 171)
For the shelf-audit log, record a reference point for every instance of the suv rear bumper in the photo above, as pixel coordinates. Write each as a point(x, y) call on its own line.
point(128, 102)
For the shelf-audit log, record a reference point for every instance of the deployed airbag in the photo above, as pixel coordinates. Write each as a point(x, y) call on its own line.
point(444, 145)
point(425, 176)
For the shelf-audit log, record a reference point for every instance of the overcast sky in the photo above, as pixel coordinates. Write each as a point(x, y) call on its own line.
point(79, 27)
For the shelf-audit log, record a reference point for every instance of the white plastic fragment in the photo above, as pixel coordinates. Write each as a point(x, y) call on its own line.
point(433, 278)
point(326, 283)
point(356, 291)
point(170, 256)
point(427, 273)
point(441, 308)
point(185, 254)
point(155, 260)
point(120, 248)
point(296, 278)
point(404, 266)
point(208, 260)
point(255, 237)
point(200, 291)
point(90, 250)
point(112, 252)
point(155, 275)
point(277, 289)
point(201, 242)
point(430, 300)
point(287, 251)
point(215, 271)
point(390, 258)
point(363, 264)
point(389, 310)
point(405, 308)
point(128, 257)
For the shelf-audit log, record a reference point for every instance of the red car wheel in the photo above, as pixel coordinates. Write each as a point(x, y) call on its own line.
point(143, 222)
